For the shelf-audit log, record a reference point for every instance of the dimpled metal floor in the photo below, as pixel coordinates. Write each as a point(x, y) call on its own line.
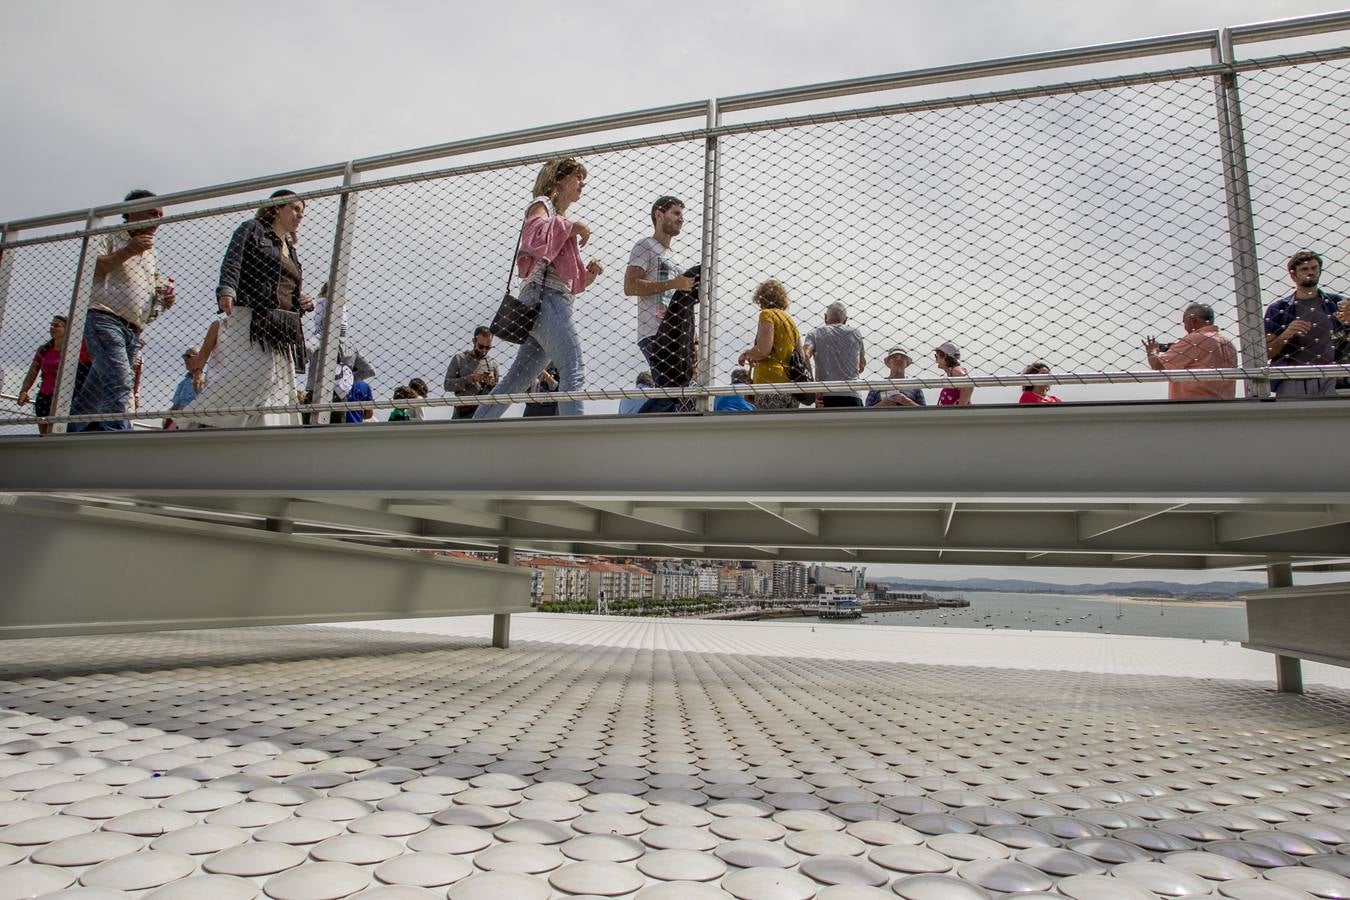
point(307, 763)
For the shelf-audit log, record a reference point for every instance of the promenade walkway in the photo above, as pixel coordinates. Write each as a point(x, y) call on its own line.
point(659, 759)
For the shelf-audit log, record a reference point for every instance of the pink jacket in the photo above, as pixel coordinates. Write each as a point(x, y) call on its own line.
point(550, 238)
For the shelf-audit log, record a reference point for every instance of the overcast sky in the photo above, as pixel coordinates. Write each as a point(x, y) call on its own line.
point(181, 93)
point(173, 94)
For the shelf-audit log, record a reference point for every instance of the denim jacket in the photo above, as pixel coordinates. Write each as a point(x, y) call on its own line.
point(252, 267)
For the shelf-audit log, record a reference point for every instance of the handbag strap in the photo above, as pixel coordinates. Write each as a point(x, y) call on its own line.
point(520, 236)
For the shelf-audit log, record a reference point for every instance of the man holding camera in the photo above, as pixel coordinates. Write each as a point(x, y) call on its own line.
point(1202, 347)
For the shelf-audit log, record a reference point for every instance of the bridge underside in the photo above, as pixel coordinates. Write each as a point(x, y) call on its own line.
point(1183, 486)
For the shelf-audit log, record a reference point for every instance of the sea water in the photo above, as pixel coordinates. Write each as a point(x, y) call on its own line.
point(1065, 612)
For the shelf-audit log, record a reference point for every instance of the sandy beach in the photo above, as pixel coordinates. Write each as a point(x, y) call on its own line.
point(1163, 601)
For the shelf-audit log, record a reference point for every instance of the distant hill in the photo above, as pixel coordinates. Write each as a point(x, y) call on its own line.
point(1208, 589)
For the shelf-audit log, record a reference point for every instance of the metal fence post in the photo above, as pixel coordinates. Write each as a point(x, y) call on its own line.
point(1241, 226)
point(6, 268)
point(79, 308)
point(326, 357)
point(708, 287)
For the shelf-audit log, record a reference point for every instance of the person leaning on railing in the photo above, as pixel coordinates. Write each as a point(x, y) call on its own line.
point(775, 338)
point(262, 341)
point(549, 262)
point(897, 360)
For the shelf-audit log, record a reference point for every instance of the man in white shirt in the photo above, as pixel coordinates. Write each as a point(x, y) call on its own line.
point(652, 275)
point(127, 293)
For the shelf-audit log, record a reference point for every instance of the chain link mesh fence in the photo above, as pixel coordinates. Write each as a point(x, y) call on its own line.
point(1064, 227)
point(1291, 116)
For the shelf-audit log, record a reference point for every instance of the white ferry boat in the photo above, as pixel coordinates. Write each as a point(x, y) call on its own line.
point(833, 605)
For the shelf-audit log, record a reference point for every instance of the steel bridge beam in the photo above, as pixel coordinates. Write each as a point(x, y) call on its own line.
point(94, 571)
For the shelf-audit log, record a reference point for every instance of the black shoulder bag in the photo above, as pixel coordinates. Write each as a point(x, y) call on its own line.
point(514, 319)
point(799, 370)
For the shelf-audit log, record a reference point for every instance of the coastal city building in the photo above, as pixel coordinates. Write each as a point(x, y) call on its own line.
point(789, 579)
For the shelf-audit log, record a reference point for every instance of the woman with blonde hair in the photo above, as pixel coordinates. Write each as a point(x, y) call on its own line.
point(775, 339)
point(549, 264)
point(260, 343)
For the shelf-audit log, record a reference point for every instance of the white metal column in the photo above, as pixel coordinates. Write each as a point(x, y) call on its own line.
point(708, 259)
point(79, 308)
point(326, 357)
point(6, 268)
point(1241, 227)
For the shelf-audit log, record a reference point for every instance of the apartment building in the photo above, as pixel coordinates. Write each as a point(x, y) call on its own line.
point(561, 580)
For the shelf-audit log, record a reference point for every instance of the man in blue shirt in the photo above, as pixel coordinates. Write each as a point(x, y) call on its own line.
point(897, 360)
point(735, 402)
point(186, 391)
point(1302, 328)
point(631, 406)
point(360, 391)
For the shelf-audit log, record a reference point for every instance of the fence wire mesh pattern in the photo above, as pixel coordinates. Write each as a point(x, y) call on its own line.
point(970, 248)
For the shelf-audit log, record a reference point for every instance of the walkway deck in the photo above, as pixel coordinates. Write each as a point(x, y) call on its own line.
point(1075, 485)
point(662, 759)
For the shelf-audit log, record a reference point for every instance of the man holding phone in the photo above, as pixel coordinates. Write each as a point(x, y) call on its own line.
point(471, 372)
point(127, 293)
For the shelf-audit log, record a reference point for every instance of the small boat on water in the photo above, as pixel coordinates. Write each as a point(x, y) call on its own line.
point(837, 605)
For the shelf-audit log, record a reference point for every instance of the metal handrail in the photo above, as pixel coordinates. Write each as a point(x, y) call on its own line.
point(707, 131)
point(1008, 65)
point(1300, 26)
point(694, 391)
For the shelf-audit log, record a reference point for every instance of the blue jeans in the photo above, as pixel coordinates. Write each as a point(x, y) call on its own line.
point(647, 345)
point(107, 388)
point(554, 339)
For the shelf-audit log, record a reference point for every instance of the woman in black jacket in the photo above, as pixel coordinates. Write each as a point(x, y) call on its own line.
point(261, 343)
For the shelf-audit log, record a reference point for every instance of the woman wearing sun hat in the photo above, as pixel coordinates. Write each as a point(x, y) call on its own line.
point(948, 358)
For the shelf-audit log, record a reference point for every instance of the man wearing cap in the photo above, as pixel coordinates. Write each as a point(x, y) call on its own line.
point(186, 391)
point(897, 360)
point(735, 402)
point(836, 351)
point(653, 275)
